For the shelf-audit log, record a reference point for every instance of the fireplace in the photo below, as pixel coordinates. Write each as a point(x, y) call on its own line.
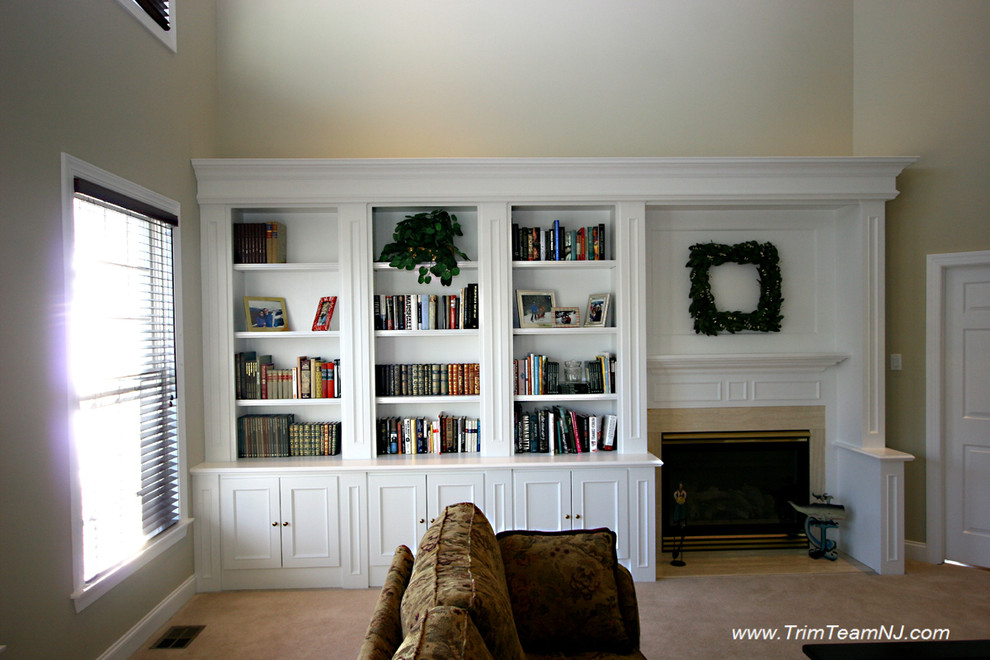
point(737, 487)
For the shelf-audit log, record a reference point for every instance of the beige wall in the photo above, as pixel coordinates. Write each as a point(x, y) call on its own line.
point(87, 79)
point(535, 78)
point(922, 87)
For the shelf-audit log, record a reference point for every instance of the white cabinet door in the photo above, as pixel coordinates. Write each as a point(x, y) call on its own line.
point(397, 513)
point(542, 500)
point(601, 499)
point(446, 488)
point(310, 522)
point(250, 531)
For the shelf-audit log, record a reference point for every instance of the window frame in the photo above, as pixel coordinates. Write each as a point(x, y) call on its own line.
point(83, 594)
point(167, 37)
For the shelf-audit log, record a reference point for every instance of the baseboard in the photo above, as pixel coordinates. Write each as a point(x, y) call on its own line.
point(916, 551)
point(129, 644)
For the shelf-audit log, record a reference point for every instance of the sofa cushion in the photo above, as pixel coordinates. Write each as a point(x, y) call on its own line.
point(564, 591)
point(385, 631)
point(445, 633)
point(459, 564)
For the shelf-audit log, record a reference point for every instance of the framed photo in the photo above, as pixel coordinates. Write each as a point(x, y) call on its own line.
point(597, 310)
point(324, 313)
point(567, 317)
point(535, 308)
point(265, 314)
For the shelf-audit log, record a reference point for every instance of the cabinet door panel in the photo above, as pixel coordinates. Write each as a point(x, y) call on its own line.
point(542, 500)
point(249, 521)
point(310, 522)
point(446, 489)
point(398, 514)
point(601, 499)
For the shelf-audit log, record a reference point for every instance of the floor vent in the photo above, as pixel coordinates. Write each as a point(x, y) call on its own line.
point(177, 637)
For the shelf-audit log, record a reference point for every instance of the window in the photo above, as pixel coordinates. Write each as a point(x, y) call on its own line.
point(125, 408)
point(156, 15)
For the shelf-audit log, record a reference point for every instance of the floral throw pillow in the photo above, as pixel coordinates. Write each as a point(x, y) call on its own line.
point(562, 586)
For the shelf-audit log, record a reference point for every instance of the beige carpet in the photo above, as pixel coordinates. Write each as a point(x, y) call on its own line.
point(688, 617)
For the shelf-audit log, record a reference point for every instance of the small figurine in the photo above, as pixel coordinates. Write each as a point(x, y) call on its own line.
point(680, 510)
point(680, 519)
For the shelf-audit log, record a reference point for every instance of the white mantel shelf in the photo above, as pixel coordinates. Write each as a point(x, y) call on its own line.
point(753, 362)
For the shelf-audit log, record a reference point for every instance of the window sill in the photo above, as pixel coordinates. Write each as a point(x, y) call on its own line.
point(87, 595)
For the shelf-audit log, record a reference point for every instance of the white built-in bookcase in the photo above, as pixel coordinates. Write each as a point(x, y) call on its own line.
point(334, 521)
point(332, 249)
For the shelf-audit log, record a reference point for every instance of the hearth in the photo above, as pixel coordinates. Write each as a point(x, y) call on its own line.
point(737, 486)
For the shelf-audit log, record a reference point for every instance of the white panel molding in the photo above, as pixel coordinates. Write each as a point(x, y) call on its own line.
point(779, 391)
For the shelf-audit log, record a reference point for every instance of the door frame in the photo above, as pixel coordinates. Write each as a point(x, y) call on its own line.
point(937, 267)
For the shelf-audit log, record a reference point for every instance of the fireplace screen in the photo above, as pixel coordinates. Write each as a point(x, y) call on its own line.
point(730, 490)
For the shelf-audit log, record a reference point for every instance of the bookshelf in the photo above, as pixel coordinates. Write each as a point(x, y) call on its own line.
point(566, 251)
point(426, 348)
point(337, 216)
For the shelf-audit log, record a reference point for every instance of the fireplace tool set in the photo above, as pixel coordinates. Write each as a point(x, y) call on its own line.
point(822, 515)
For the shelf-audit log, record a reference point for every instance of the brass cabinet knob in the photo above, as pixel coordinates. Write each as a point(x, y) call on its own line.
point(285, 524)
point(275, 524)
point(431, 520)
point(422, 520)
point(577, 515)
point(567, 516)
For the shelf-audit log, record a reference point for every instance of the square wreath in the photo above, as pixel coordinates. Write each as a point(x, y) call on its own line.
point(708, 319)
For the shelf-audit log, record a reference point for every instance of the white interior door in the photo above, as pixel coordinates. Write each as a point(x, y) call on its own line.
point(966, 414)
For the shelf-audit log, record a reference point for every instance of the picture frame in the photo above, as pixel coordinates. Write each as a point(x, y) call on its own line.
point(597, 314)
point(324, 313)
point(265, 314)
point(535, 308)
point(566, 317)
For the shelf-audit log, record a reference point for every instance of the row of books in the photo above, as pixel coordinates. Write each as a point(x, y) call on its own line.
point(538, 374)
point(270, 436)
point(557, 243)
point(257, 377)
point(444, 434)
point(260, 243)
point(457, 379)
point(423, 311)
point(562, 431)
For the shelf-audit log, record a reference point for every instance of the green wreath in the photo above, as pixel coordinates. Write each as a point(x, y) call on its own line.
point(707, 319)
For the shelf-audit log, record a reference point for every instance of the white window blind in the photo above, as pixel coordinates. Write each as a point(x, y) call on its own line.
point(122, 340)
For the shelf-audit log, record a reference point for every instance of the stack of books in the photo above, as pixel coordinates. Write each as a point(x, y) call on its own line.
point(432, 379)
point(557, 243)
point(565, 430)
point(444, 434)
point(259, 243)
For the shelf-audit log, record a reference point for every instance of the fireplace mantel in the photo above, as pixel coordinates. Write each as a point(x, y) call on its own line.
point(826, 217)
point(756, 363)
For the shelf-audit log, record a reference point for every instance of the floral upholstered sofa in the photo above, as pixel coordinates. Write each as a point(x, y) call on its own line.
point(516, 596)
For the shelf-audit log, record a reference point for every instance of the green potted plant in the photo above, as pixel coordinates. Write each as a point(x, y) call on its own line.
point(426, 240)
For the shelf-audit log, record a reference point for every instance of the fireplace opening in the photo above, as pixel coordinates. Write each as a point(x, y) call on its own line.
point(736, 486)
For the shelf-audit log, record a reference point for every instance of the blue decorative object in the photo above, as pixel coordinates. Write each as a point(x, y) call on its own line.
point(822, 515)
